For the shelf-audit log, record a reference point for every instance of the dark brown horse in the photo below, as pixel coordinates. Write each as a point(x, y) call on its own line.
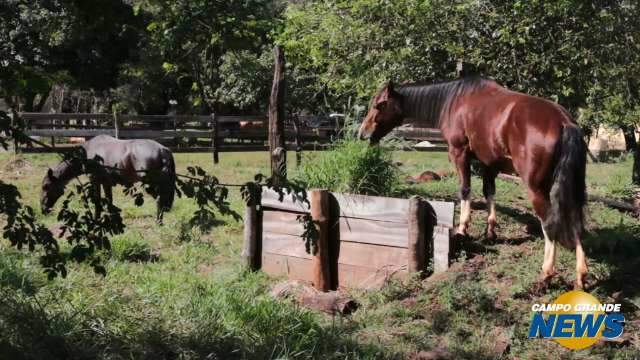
point(506, 131)
point(123, 162)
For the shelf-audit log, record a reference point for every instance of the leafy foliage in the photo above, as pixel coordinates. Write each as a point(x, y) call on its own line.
point(196, 38)
point(552, 49)
point(210, 196)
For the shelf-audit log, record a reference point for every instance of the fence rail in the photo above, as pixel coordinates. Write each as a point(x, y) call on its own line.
point(202, 133)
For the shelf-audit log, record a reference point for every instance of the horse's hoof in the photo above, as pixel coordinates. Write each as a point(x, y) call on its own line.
point(491, 236)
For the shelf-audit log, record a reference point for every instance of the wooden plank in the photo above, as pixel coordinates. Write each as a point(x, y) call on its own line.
point(63, 116)
point(238, 118)
point(165, 118)
point(372, 256)
point(69, 132)
point(360, 277)
point(376, 208)
point(373, 232)
point(270, 199)
point(280, 222)
point(123, 133)
point(373, 207)
point(292, 267)
point(351, 229)
point(151, 134)
point(288, 245)
point(444, 212)
point(441, 248)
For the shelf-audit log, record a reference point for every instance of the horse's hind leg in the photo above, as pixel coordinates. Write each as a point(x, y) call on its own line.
point(541, 205)
point(489, 190)
point(581, 266)
point(462, 159)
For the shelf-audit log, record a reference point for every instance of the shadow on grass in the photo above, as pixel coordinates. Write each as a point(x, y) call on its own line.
point(618, 247)
point(34, 328)
point(30, 332)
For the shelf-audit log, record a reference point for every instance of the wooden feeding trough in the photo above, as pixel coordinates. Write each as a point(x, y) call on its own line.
point(361, 240)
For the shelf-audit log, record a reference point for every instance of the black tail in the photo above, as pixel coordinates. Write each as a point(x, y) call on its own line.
point(168, 182)
point(565, 220)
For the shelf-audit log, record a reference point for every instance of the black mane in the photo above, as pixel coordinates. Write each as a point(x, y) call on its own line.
point(425, 103)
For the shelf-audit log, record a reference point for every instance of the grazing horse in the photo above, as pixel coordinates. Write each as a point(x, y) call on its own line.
point(123, 162)
point(506, 131)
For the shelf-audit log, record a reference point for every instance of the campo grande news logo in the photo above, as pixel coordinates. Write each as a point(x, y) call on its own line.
point(576, 320)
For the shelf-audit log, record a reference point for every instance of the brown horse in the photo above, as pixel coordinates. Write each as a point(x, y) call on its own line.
point(506, 131)
point(123, 162)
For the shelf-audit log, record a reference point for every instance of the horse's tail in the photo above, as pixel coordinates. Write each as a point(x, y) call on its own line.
point(168, 181)
point(565, 220)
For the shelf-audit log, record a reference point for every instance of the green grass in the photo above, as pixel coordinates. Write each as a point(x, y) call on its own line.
point(173, 292)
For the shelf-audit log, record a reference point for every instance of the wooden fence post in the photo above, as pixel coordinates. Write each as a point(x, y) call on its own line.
point(321, 262)
point(252, 249)
point(296, 128)
point(417, 235)
point(276, 121)
point(214, 138)
point(53, 138)
point(116, 125)
point(15, 118)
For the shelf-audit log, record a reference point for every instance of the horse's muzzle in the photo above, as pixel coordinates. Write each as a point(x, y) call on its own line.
point(46, 210)
point(363, 135)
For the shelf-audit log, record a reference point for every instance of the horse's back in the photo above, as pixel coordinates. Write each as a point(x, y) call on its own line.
point(500, 125)
point(130, 156)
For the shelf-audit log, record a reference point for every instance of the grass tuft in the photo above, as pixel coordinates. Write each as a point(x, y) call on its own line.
point(132, 249)
point(355, 167)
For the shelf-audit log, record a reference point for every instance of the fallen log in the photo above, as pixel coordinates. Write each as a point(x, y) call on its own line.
point(332, 302)
point(633, 207)
point(617, 204)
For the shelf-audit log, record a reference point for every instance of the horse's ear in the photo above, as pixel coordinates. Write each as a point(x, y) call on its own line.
point(384, 95)
point(50, 174)
point(390, 86)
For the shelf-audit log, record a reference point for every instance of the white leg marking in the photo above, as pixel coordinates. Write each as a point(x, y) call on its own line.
point(465, 216)
point(581, 265)
point(549, 255)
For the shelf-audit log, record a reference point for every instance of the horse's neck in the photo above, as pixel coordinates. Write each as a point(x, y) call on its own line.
point(424, 104)
point(67, 170)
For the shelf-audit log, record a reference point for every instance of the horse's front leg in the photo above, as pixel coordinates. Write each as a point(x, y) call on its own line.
point(489, 190)
point(462, 159)
point(95, 187)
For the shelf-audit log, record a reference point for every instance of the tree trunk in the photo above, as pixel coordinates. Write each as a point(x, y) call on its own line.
point(276, 121)
point(29, 100)
point(43, 99)
point(629, 137)
point(636, 165)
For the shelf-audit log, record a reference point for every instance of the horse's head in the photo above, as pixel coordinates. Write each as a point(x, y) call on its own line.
point(384, 115)
point(52, 190)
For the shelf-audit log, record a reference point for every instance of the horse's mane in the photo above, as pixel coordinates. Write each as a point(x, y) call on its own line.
point(425, 103)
